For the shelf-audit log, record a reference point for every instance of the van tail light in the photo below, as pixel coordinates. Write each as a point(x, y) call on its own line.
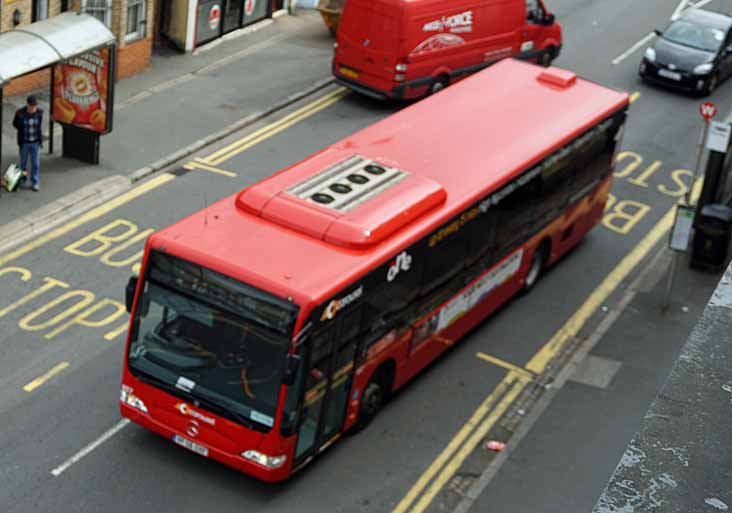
point(399, 77)
point(401, 67)
point(335, 45)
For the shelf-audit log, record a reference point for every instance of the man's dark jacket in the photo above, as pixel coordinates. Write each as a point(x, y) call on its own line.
point(18, 124)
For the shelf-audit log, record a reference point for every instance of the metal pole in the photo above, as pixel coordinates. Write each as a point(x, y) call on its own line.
point(50, 111)
point(700, 153)
point(670, 281)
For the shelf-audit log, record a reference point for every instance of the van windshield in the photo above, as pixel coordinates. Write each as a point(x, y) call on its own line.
point(367, 24)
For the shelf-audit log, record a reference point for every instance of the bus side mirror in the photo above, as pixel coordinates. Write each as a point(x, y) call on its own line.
point(292, 365)
point(549, 19)
point(130, 292)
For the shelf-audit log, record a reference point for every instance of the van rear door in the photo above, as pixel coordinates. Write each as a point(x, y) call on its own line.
point(368, 40)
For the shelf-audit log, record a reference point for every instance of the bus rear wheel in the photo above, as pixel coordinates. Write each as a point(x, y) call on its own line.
point(538, 260)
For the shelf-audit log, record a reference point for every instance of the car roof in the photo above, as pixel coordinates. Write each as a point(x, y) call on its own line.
point(709, 18)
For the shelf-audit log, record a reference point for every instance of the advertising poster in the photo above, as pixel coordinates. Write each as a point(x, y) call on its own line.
point(81, 91)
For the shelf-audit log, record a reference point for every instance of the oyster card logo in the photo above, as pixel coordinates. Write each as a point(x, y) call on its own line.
point(186, 410)
point(338, 304)
point(462, 22)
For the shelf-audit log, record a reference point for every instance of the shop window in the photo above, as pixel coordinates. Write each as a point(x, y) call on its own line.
point(136, 11)
point(101, 10)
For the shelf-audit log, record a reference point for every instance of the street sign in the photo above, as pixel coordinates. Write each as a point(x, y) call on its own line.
point(681, 232)
point(718, 136)
point(707, 110)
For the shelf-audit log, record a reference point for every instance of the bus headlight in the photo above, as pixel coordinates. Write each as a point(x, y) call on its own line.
point(263, 459)
point(130, 399)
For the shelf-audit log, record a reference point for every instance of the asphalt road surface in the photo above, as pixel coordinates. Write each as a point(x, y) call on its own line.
point(60, 310)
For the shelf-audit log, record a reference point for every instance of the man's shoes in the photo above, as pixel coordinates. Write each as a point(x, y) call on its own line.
point(36, 188)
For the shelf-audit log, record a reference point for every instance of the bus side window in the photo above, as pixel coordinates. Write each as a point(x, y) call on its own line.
point(554, 190)
point(516, 216)
point(482, 243)
point(446, 258)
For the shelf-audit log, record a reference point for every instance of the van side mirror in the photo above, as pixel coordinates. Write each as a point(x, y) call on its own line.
point(549, 19)
point(292, 365)
point(658, 32)
point(130, 292)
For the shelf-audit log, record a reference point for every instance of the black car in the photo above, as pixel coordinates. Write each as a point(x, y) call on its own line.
point(693, 53)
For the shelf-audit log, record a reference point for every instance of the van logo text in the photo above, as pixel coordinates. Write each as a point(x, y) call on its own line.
point(462, 22)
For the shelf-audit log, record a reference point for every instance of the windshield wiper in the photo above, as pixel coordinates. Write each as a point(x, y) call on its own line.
point(209, 404)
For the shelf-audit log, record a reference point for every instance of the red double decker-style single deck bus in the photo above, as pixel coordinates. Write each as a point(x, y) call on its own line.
point(269, 323)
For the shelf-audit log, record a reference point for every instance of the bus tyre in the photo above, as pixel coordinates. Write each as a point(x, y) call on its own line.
point(538, 259)
point(438, 84)
point(372, 399)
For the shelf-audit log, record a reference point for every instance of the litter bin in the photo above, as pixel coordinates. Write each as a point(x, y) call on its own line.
point(712, 235)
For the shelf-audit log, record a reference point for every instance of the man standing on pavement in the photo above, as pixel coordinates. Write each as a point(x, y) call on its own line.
point(28, 121)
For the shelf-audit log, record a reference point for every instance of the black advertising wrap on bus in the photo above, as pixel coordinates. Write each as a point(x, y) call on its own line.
point(413, 283)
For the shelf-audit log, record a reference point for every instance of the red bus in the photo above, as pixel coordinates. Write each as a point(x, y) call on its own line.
point(269, 323)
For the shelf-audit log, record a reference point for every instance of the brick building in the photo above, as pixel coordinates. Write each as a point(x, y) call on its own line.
point(130, 20)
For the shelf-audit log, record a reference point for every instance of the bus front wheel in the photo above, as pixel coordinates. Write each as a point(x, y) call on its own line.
point(372, 399)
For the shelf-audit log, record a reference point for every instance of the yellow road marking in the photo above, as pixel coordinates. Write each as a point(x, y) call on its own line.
point(453, 446)
point(634, 96)
point(195, 164)
point(454, 465)
point(541, 359)
point(453, 456)
point(88, 216)
point(506, 365)
point(30, 387)
point(275, 128)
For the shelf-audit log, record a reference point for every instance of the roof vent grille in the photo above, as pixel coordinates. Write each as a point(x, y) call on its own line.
point(348, 184)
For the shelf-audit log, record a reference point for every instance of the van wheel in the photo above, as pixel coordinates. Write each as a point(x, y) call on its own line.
point(438, 84)
point(372, 399)
point(538, 259)
point(546, 58)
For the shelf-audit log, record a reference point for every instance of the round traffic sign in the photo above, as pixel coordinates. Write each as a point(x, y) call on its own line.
point(707, 110)
point(214, 16)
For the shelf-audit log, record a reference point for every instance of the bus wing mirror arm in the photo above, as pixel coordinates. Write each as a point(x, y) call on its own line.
point(130, 292)
point(292, 365)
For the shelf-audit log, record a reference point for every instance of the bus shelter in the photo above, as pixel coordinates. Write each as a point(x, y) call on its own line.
point(81, 52)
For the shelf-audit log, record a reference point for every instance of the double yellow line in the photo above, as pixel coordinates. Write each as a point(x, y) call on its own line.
point(275, 128)
point(447, 464)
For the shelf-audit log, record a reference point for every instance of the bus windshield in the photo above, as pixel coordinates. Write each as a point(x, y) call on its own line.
point(209, 338)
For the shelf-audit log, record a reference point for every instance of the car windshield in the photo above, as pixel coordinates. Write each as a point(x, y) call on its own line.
point(694, 35)
point(213, 338)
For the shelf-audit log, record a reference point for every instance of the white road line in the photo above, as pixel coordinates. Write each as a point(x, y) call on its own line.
point(89, 448)
point(702, 3)
point(683, 5)
point(679, 9)
point(634, 48)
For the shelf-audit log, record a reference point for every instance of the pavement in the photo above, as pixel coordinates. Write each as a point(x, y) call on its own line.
point(171, 103)
point(561, 459)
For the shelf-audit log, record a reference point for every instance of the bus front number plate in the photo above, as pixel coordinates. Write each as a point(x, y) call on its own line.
point(191, 446)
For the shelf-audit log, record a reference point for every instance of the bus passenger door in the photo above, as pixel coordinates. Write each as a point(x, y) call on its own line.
point(328, 384)
point(316, 388)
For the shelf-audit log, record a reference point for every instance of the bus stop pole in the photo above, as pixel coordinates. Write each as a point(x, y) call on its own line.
point(50, 112)
point(699, 155)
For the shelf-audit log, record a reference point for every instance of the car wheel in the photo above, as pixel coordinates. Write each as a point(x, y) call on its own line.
point(712, 84)
point(438, 84)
